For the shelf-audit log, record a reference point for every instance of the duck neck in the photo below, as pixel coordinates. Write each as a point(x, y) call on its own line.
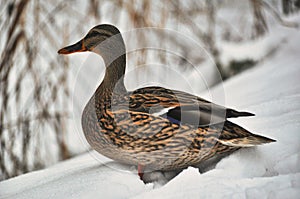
point(113, 81)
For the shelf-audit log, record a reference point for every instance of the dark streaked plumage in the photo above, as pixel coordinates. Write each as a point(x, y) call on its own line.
point(153, 127)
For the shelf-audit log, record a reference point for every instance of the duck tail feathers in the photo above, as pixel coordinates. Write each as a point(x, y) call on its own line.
point(230, 113)
point(248, 141)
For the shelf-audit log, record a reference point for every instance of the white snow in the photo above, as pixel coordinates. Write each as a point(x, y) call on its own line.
point(81, 177)
point(271, 90)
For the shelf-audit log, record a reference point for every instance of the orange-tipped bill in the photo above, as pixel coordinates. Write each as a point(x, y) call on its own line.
point(78, 47)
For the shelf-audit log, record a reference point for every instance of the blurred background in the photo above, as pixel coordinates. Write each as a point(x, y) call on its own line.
point(40, 89)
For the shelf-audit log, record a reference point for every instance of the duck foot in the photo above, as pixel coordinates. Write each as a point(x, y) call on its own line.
point(141, 171)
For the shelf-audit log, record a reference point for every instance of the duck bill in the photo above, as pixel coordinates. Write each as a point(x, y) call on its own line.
point(78, 47)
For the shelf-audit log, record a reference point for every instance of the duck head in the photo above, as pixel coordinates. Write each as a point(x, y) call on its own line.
point(103, 39)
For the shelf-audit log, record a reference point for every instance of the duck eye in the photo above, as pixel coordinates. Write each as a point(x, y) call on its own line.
point(90, 45)
point(93, 34)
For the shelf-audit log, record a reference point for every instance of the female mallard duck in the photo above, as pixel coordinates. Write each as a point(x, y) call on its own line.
point(153, 127)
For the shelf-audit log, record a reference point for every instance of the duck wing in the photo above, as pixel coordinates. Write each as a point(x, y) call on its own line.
point(180, 107)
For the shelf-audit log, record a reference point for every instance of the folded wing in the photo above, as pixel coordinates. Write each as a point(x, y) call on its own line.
point(180, 107)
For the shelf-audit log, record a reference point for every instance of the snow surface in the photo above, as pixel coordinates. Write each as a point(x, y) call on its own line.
point(271, 90)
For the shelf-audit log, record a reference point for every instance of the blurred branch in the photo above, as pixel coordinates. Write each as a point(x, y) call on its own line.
point(183, 17)
point(277, 16)
point(5, 68)
point(20, 8)
point(44, 115)
point(260, 25)
point(290, 6)
point(93, 8)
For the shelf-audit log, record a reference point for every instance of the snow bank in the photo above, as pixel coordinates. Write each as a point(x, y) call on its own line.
point(86, 176)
